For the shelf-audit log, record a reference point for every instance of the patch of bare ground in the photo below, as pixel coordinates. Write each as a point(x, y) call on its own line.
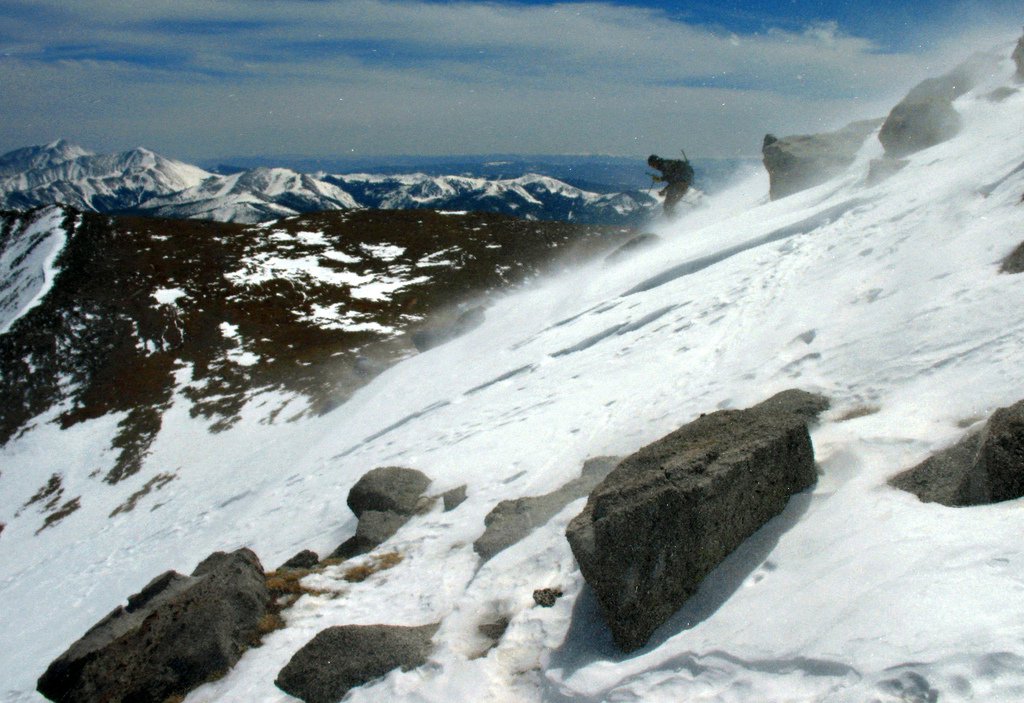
point(108, 338)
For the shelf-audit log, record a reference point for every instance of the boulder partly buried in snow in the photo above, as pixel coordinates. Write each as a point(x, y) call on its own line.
point(926, 116)
point(512, 520)
point(670, 513)
point(984, 467)
point(306, 559)
point(383, 499)
point(390, 488)
point(799, 162)
point(175, 634)
point(342, 658)
point(1014, 262)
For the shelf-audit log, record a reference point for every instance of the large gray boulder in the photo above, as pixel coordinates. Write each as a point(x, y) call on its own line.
point(383, 499)
point(926, 116)
point(984, 467)
point(390, 488)
point(341, 658)
point(175, 634)
point(670, 513)
point(512, 520)
point(799, 162)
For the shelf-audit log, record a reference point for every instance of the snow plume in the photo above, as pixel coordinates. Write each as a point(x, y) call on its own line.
point(884, 295)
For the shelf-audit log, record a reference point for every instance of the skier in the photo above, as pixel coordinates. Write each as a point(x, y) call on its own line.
point(678, 175)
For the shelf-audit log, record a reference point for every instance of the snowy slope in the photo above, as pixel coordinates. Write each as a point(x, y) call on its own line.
point(29, 247)
point(885, 297)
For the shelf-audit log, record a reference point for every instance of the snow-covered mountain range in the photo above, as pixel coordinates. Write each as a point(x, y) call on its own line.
point(141, 182)
point(882, 288)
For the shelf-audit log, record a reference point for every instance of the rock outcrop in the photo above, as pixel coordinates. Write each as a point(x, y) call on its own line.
point(341, 658)
point(984, 467)
point(799, 162)
point(175, 634)
point(926, 117)
point(512, 520)
point(670, 513)
point(383, 499)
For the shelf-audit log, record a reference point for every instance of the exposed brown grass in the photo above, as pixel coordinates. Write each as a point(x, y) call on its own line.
point(858, 411)
point(269, 623)
point(288, 582)
point(376, 563)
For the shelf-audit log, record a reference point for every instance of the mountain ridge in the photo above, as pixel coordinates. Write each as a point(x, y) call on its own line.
point(139, 181)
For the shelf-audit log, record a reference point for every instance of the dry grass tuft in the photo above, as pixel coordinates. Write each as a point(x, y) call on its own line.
point(858, 411)
point(376, 563)
point(269, 623)
point(288, 582)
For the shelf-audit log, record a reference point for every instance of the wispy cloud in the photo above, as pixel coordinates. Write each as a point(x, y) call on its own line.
point(197, 79)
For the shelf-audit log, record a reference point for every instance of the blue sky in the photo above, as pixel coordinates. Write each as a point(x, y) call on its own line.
point(201, 79)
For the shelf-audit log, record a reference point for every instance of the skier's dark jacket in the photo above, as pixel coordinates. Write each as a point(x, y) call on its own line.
point(673, 170)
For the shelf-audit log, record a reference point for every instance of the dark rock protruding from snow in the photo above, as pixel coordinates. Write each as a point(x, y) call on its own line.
point(984, 467)
point(175, 634)
point(391, 488)
point(926, 117)
point(342, 658)
point(802, 161)
point(453, 498)
point(512, 520)
point(1014, 263)
point(546, 597)
point(670, 513)
point(306, 559)
point(383, 499)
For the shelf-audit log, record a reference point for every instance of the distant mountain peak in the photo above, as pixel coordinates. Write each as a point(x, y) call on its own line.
point(143, 181)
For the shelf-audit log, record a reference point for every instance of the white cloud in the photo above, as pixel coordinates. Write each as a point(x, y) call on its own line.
point(198, 79)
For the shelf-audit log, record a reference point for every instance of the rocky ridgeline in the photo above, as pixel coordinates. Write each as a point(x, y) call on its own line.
point(655, 525)
point(925, 117)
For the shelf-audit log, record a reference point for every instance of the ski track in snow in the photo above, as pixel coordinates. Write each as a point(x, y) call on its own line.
point(885, 298)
